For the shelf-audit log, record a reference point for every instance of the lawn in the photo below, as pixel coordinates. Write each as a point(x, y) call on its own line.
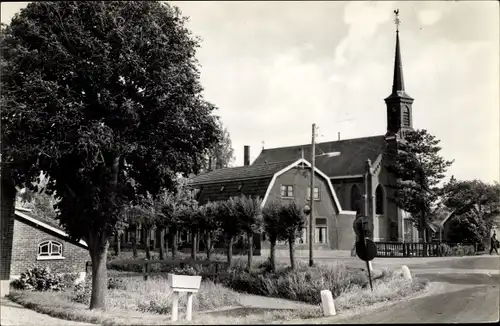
point(131, 300)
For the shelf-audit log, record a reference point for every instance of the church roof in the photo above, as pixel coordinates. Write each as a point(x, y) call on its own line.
point(351, 160)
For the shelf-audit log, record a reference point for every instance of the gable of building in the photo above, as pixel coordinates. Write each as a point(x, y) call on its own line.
point(253, 180)
point(350, 157)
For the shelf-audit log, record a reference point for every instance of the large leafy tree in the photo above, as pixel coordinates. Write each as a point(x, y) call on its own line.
point(476, 205)
point(419, 169)
point(221, 155)
point(249, 217)
point(271, 216)
point(227, 215)
point(105, 97)
point(291, 221)
point(210, 225)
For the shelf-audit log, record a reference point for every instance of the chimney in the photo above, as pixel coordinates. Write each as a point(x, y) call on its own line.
point(338, 134)
point(246, 156)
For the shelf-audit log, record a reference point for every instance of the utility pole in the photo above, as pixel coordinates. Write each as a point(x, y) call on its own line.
point(311, 197)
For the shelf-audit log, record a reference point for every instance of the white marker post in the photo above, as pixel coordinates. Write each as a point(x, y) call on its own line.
point(183, 283)
point(406, 273)
point(327, 303)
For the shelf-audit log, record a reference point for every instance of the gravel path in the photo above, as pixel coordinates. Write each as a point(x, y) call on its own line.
point(14, 314)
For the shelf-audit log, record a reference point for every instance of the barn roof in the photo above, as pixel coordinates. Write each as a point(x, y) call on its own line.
point(253, 180)
point(350, 161)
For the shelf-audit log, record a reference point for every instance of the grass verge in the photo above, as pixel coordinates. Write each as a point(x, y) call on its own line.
point(148, 303)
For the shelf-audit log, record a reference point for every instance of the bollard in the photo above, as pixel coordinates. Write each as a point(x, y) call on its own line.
point(370, 266)
point(327, 303)
point(406, 273)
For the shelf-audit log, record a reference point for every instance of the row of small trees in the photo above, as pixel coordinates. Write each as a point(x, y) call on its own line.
point(215, 221)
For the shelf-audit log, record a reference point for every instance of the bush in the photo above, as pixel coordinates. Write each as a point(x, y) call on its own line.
point(445, 249)
point(302, 284)
point(41, 279)
point(82, 291)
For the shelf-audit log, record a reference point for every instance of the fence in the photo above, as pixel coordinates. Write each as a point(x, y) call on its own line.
point(415, 249)
point(215, 269)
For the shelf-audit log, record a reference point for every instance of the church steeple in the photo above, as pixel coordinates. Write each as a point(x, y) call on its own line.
point(398, 83)
point(399, 103)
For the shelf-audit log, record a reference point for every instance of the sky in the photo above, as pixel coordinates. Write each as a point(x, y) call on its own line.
point(275, 68)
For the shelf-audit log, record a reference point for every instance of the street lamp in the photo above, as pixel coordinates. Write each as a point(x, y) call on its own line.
point(311, 191)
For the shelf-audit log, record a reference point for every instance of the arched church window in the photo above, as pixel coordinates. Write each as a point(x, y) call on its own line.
point(355, 198)
point(406, 116)
point(379, 200)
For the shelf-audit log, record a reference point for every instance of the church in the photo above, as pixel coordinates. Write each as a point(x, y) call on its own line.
point(358, 167)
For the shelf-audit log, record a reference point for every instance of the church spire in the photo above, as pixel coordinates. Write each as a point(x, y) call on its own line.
point(397, 82)
point(399, 103)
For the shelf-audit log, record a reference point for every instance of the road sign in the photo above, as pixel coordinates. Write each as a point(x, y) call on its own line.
point(366, 251)
point(362, 226)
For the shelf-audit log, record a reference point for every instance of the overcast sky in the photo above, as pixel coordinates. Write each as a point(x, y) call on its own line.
point(274, 68)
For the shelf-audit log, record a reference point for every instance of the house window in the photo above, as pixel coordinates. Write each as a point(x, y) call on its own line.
point(379, 200)
point(316, 193)
point(355, 199)
point(50, 250)
point(286, 191)
point(320, 234)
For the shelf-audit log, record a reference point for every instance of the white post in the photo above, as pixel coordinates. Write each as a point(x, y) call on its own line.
point(189, 309)
point(175, 306)
point(406, 273)
point(327, 303)
point(370, 266)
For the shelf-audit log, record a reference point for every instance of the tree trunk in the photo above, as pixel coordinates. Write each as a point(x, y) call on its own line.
point(208, 243)
point(198, 236)
point(98, 248)
point(148, 240)
point(230, 250)
point(291, 244)
point(272, 256)
point(174, 236)
point(162, 244)
point(134, 248)
point(193, 244)
point(250, 249)
point(117, 244)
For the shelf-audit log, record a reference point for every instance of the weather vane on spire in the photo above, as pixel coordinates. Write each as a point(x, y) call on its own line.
point(396, 20)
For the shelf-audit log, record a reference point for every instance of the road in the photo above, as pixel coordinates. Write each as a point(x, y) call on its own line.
point(15, 314)
point(468, 293)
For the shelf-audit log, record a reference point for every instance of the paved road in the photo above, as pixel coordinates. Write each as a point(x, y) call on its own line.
point(464, 296)
point(15, 314)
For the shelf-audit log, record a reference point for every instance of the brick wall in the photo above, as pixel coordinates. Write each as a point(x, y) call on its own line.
point(6, 228)
point(28, 235)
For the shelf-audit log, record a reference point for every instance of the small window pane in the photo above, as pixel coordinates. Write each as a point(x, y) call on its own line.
point(316, 193)
point(283, 191)
point(56, 249)
point(290, 191)
point(321, 221)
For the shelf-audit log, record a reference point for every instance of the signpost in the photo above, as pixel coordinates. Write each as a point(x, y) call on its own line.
point(365, 248)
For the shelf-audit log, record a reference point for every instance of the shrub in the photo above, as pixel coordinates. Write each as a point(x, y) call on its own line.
point(116, 283)
point(40, 279)
point(302, 284)
point(82, 291)
point(445, 249)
